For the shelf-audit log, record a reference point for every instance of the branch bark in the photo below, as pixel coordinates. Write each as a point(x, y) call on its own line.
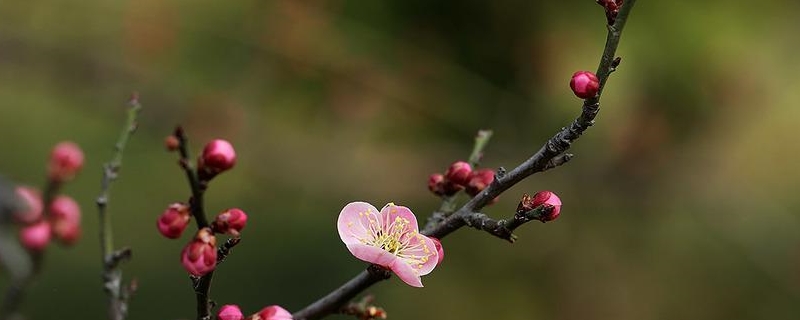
point(550, 155)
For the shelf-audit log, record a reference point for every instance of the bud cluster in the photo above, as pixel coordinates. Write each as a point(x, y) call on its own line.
point(199, 256)
point(52, 216)
point(460, 176)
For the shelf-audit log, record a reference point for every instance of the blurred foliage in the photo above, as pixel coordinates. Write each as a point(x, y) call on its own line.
point(680, 203)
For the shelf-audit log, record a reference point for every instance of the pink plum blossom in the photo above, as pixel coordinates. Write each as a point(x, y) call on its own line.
point(389, 238)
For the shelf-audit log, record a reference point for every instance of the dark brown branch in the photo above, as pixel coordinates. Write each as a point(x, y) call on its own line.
point(545, 158)
point(112, 276)
point(337, 298)
point(198, 188)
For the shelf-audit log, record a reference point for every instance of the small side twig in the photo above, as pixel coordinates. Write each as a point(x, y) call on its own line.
point(112, 275)
point(504, 229)
point(225, 249)
point(364, 309)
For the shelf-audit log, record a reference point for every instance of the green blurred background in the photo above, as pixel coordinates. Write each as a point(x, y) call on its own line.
point(680, 203)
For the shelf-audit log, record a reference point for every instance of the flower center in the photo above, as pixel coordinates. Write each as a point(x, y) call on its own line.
point(390, 238)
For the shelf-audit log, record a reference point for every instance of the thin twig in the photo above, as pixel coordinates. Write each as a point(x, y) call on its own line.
point(112, 274)
point(540, 161)
point(504, 229)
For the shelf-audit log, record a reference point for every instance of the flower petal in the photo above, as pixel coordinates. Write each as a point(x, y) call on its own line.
point(420, 253)
point(406, 273)
point(372, 254)
point(357, 222)
point(391, 211)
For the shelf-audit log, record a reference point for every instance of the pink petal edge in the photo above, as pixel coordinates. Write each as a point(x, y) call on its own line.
point(351, 225)
point(405, 272)
point(390, 211)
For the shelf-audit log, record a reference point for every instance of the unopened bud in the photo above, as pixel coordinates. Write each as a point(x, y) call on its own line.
point(174, 220)
point(436, 184)
point(31, 200)
point(231, 221)
point(273, 312)
point(172, 143)
point(439, 250)
point(230, 312)
point(65, 214)
point(218, 156)
point(479, 180)
point(459, 173)
point(545, 198)
point(35, 237)
point(584, 84)
point(373, 312)
point(66, 160)
point(200, 255)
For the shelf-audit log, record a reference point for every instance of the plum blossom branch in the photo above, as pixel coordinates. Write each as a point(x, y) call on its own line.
point(550, 155)
point(112, 276)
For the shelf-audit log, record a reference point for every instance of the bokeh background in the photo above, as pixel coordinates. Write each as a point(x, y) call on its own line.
point(680, 203)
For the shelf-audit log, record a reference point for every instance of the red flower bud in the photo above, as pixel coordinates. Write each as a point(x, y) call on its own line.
point(174, 220)
point(66, 160)
point(218, 156)
point(231, 221)
point(479, 180)
point(584, 84)
point(32, 201)
point(459, 173)
point(66, 217)
point(35, 237)
point(273, 312)
point(200, 255)
point(436, 184)
point(439, 250)
point(230, 312)
point(172, 143)
point(549, 199)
